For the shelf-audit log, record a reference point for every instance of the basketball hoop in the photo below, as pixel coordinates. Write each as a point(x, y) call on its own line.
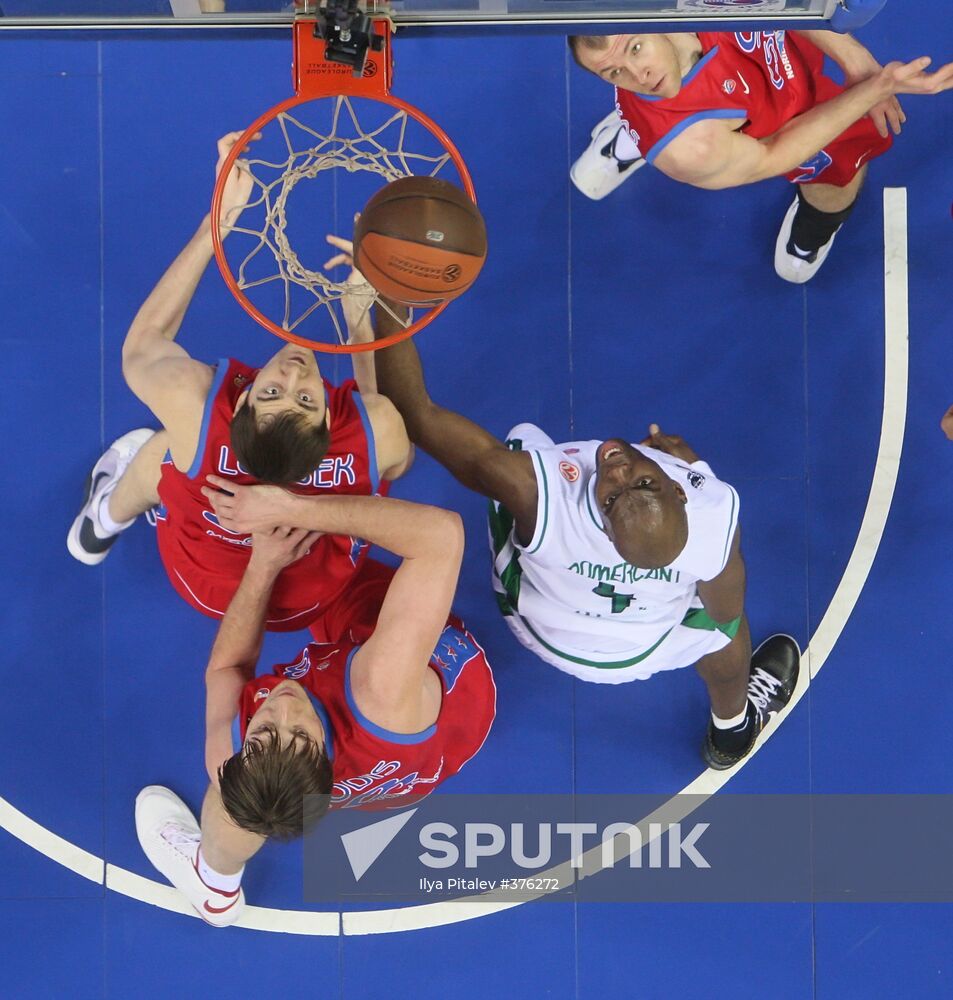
point(342, 123)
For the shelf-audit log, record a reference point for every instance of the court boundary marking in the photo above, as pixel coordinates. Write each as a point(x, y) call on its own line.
point(829, 629)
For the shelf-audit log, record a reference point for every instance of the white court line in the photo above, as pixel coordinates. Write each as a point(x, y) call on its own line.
point(323, 924)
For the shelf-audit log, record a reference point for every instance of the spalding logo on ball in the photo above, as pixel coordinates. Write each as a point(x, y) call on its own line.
point(420, 241)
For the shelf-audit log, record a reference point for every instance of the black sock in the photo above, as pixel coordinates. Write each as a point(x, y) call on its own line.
point(813, 228)
point(737, 739)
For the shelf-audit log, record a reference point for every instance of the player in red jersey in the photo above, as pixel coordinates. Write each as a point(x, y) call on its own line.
point(718, 110)
point(282, 423)
point(380, 718)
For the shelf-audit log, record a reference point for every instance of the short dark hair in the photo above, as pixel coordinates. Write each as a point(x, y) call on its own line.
point(577, 42)
point(276, 789)
point(284, 450)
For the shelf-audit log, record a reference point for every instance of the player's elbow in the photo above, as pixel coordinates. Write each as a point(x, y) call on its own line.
point(446, 535)
point(454, 535)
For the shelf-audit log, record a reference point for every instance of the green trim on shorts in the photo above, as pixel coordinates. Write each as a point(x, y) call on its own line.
point(592, 663)
point(699, 618)
point(501, 526)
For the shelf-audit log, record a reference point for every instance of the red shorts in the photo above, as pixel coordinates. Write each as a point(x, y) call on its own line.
point(839, 161)
point(292, 607)
point(354, 612)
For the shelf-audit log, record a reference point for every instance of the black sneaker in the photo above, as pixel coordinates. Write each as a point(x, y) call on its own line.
point(775, 665)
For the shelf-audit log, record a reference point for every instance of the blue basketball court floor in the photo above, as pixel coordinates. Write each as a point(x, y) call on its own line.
point(592, 320)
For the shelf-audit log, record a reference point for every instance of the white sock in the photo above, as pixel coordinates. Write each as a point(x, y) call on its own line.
point(733, 723)
point(110, 526)
point(216, 880)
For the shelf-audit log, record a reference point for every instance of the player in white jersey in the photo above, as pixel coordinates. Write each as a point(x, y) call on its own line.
point(570, 596)
point(612, 561)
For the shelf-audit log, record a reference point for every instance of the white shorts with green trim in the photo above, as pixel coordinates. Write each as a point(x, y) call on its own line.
point(602, 661)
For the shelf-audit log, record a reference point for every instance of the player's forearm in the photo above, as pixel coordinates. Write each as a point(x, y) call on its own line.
point(807, 134)
point(456, 442)
point(409, 530)
point(223, 690)
point(161, 315)
point(399, 375)
point(846, 51)
point(365, 372)
point(237, 645)
point(225, 846)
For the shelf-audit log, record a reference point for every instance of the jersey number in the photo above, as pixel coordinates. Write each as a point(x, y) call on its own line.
point(813, 168)
point(619, 601)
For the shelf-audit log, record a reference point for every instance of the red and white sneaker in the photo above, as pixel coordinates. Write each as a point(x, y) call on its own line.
point(170, 837)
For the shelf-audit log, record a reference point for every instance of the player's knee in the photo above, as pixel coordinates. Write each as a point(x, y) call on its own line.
point(277, 789)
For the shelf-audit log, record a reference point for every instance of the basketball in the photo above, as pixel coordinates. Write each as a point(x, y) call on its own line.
point(420, 241)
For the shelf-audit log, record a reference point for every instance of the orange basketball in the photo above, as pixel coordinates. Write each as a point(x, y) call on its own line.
point(420, 241)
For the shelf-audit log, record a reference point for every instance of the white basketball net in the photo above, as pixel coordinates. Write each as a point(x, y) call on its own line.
point(382, 148)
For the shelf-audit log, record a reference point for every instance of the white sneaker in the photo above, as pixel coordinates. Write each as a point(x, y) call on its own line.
point(88, 541)
point(170, 837)
point(790, 266)
point(599, 170)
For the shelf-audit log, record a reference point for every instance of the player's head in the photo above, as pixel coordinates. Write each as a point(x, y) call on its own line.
point(645, 64)
point(280, 430)
point(643, 509)
point(283, 760)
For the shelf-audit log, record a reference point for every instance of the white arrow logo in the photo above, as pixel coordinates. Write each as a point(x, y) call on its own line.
point(363, 847)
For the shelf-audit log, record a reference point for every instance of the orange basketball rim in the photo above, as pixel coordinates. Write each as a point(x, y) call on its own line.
point(316, 79)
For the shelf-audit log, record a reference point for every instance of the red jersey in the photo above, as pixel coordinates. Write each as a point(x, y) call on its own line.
point(765, 78)
point(205, 561)
point(372, 766)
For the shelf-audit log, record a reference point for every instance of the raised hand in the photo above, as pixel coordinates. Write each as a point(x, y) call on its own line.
point(249, 509)
point(888, 115)
point(275, 549)
point(238, 187)
point(357, 300)
point(671, 444)
point(912, 77)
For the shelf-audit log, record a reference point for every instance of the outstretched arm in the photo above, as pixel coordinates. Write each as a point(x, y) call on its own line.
point(238, 641)
point(156, 368)
point(395, 454)
point(709, 155)
point(473, 455)
point(857, 63)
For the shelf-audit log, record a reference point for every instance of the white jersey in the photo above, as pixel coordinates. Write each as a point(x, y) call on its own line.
point(569, 585)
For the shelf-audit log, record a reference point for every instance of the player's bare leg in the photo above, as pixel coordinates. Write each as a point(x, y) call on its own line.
point(725, 674)
point(828, 198)
point(138, 488)
point(225, 846)
point(810, 225)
